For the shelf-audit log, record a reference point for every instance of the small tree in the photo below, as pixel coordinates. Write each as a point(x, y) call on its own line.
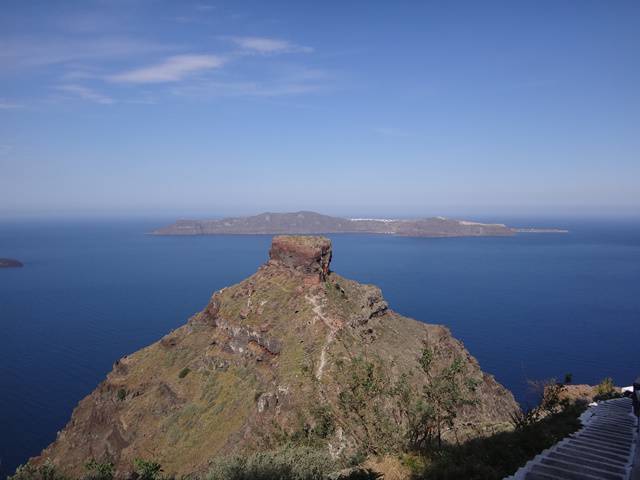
point(446, 392)
point(370, 400)
point(99, 470)
point(146, 469)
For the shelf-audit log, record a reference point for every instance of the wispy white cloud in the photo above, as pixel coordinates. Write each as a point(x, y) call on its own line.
point(7, 105)
point(204, 7)
point(43, 51)
point(86, 93)
point(142, 101)
point(173, 69)
point(245, 89)
point(288, 82)
point(264, 45)
point(79, 74)
point(76, 63)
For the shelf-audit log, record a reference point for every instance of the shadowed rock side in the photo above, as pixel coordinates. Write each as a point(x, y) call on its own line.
point(253, 365)
point(10, 263)
point(315, 223)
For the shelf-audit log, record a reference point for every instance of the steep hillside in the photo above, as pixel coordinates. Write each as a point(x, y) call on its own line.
point(268, 360)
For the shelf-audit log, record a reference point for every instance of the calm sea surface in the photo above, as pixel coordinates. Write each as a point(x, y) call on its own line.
point(529, 307)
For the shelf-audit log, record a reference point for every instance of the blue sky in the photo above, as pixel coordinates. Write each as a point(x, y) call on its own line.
point(389, 108)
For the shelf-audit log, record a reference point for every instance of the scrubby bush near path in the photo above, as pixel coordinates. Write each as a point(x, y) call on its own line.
point(606, 390)
point(499, 455)
point(449, 389)
point(294, 463)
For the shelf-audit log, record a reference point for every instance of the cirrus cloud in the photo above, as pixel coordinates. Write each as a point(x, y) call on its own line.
point(5, 105)
point(42, 51)
point(266, 45)
point(173, 69)
point(86, 93)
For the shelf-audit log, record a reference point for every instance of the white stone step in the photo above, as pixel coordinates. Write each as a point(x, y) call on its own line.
point(602, 450)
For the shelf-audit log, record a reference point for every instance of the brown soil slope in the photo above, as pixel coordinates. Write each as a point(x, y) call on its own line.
point(252, 367)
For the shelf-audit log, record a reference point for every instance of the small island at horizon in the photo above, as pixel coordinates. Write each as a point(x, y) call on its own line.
point(10, 263)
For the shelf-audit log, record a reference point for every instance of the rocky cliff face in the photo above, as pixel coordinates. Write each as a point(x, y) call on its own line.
point(255, 366)
point(309, 255)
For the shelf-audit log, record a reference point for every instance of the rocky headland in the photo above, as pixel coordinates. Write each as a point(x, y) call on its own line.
point(309, 223)
point(294, 353)
point(10, 263)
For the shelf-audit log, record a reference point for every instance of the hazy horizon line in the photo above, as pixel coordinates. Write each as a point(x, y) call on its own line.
point(601, 213)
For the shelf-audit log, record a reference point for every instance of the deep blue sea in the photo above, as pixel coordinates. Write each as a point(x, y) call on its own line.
point(533, 306)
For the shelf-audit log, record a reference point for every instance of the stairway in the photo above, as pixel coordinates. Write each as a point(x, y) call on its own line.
point(603, 449)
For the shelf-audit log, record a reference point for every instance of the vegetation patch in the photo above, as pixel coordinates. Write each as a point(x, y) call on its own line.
point(46, 471)
point(606, 390)
point(121, 394)
point(147, 469)
point(181, 423)
point(396, 416)
point(499, 455)
point(290, 463)
point(99, 470)
point(294, 463)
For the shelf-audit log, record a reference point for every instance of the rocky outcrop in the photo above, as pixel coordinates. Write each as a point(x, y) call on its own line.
point(256, 365)
point(310, 255)
point(578, 393)
point(10, 263)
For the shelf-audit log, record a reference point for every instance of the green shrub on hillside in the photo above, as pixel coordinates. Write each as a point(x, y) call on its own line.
point(324, 421)
point(447, 391)
point(122, 394)
point(500, 455)
point(46, 471)
point(396, 416)
point(289, 463)
point(147, 469)
point(370, 400)
point(99, 470)
point(606, 390)
point(356, 474)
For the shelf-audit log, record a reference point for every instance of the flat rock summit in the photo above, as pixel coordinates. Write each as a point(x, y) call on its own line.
point(267, 359)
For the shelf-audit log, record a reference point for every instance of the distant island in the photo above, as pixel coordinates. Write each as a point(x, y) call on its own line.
point(10, 263)
point(306, 223)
